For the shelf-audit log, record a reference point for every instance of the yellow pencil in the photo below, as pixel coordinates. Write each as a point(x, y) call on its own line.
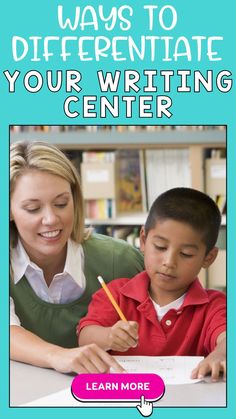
point(111, 298)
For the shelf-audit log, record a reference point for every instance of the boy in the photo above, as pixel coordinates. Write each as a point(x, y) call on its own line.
point(168, 311)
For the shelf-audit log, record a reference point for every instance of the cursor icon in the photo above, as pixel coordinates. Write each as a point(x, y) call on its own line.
point(145, 407)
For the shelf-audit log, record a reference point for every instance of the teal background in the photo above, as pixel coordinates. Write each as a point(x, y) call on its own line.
point(27, 18)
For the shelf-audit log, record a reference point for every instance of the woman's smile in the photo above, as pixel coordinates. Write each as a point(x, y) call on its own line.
point(51, 235)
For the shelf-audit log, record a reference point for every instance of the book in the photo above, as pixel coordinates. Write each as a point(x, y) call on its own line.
point(130, 182)
point(166, 169)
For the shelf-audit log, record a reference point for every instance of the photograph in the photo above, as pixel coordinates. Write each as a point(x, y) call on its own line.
point(118, 260)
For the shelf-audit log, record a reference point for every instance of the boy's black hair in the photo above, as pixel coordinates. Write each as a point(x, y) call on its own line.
point(188, 206)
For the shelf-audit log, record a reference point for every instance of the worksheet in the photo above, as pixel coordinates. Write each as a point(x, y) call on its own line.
point(172, 369)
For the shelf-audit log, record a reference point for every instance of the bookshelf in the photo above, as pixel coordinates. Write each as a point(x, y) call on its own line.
point(140, 138)
point(215, 186)
point(204, 148)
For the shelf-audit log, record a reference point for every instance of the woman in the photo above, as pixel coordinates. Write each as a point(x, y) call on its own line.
point(55, 262)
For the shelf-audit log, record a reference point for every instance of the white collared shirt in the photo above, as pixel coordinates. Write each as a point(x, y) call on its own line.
point(162, 310)
point(65, 287)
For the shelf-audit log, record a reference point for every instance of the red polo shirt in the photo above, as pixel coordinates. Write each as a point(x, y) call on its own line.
point(190, 330)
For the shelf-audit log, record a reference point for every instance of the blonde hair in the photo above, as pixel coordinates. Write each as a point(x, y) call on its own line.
point(38, 155)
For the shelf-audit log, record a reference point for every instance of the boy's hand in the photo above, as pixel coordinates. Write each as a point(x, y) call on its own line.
point(214, 363)
point(123, 335)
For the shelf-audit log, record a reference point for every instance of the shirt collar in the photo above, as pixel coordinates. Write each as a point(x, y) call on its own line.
point(74, 253)
point(21, 261)
point(137, 289)
point(196, 294)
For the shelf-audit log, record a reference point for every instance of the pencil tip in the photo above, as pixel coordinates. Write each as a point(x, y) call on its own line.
point(100, 279)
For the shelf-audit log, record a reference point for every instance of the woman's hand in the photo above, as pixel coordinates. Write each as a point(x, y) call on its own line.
point(86, 359)
point(123, 335)
point(31, 349)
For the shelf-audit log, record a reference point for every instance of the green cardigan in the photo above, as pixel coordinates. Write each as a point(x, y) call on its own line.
point(56, 323)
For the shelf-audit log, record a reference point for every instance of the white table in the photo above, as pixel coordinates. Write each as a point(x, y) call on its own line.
point(28, 383)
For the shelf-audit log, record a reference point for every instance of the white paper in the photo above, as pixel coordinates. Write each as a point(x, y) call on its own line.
point(172, 369)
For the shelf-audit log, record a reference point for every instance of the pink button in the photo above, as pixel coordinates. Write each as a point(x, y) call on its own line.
point(117, 387)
